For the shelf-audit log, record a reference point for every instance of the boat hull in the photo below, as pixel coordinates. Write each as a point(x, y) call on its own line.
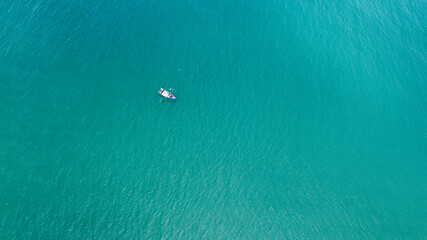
point(166, 94)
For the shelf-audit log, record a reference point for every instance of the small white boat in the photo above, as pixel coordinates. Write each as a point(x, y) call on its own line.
point(166, 94)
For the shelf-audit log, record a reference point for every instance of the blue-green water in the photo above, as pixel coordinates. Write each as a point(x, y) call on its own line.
point(294, 119)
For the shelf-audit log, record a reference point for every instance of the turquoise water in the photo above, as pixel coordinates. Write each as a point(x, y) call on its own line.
point(294, 119)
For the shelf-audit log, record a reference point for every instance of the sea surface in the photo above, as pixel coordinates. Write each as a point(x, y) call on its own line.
point(302, 119)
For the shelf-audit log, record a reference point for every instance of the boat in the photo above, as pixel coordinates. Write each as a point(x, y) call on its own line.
point(167, 94)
